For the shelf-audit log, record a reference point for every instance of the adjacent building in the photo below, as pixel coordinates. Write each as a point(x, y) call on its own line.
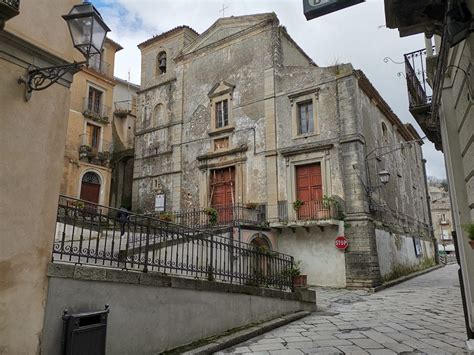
point(32, 139)
point(87, 170)
point(123, 139)
point(441, 215)
point(237, 126)
point(440, 90)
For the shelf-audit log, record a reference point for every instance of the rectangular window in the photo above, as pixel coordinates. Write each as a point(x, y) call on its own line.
point(222, 116)
point(305, 117)
point(221, 143)
point(94, 103)
point(93, 135)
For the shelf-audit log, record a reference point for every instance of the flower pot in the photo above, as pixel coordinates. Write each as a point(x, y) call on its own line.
point(300, 281)
point(471, 243)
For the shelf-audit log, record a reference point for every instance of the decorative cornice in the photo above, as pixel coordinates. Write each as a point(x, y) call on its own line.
point(306, 148)
point(241, 149)
point(156, 86)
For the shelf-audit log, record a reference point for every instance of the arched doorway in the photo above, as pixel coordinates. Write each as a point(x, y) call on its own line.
point(90, 187)
point(261, 263)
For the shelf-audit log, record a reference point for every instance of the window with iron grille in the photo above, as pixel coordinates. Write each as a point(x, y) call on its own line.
point(305, 117)
point(222, 115)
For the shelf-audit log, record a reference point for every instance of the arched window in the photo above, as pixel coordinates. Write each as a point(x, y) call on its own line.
point(384, 132)
point(159, 115)
point(161, 63)
point(91, 178)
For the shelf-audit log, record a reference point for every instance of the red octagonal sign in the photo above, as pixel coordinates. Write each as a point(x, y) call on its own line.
point(341, 242)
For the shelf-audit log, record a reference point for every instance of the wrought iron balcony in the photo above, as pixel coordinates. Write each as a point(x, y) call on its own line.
point(419, 92)
point(95, 150)
point(97, 64)
point(8, 9)
point(312, 211)
point(124, 108)
point(95, 110)
point(216, 217)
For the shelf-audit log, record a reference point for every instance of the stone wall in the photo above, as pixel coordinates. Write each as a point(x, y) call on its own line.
point(151, 313)
point(397, 254)
point(315, 248)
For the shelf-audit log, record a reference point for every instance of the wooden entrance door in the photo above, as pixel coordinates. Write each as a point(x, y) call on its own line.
point(309, 190)
point(90, 187)
point(223, 193)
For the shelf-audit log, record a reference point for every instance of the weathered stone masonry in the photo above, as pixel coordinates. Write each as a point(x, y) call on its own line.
point(265, 77)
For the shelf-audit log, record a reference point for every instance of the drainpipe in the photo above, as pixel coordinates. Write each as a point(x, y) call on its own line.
point(430, 217)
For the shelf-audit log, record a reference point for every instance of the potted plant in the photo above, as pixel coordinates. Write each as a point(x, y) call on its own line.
point(297, 205)
point(213, 215)
point(166, 216)
point(252, 205)
point(469, 228)
point(297, 278)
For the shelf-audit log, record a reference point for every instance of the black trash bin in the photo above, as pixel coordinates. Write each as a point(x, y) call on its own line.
point(84, 333)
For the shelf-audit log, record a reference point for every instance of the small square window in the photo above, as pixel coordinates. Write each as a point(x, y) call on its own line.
point(305, 117)
point(222, 114)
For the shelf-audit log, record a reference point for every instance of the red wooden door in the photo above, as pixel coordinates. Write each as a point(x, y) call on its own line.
point(90, 192)
point(309, 190)
point(222, 193)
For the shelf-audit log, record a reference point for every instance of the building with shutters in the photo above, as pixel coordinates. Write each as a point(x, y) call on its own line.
point(238, 127)
point(87, 170)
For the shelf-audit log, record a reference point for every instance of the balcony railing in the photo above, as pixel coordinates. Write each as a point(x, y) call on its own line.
point(98, 65)
point(8, 9)
point(309, 211)
point(419, 92)
point(91, 234)
point(216, 217)
point(124, 108)
point(94, 109)
point(95, 151)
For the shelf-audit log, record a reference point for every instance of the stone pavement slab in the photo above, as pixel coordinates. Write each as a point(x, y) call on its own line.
point(419, 316)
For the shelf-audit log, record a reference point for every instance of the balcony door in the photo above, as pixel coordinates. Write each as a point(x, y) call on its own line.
point(93, 135)
point(223, 193)
point(94, 103)
point(309, 190)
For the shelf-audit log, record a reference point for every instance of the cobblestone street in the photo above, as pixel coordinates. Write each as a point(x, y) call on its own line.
point(420, 316)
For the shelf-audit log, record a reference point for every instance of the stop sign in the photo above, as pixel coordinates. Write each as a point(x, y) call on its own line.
point(341, 242)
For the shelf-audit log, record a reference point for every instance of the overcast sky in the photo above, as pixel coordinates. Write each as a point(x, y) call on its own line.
point(354, 35)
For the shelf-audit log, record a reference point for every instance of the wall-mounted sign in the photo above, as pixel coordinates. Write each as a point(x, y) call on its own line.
point(341, 242)
point(418, 247)
point(317, 8)
point(160, 202)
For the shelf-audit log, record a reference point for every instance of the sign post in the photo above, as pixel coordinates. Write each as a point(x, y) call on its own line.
point(316, 8)
point(341, 242)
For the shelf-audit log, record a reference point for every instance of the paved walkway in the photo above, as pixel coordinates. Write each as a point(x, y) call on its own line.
point(420, 316)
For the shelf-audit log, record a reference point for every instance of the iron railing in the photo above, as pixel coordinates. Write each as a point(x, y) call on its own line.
point(124, 107)
point(95, 110)
point(419, 92)
point(97, 64)
point(92, 234)
point(15, 4)
point(216, 217)
point(308, 211)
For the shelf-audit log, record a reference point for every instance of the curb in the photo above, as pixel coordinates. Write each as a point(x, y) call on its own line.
point(405, 278)
point(244, 335)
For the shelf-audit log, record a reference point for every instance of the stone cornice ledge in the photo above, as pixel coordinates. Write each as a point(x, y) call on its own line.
point(306, 148)
point(155, 279)
point(241, 149)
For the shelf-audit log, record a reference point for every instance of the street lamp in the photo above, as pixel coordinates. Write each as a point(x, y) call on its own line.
point(88, 32)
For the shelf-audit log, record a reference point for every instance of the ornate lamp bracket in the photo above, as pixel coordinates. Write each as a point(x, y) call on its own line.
point(38, 79)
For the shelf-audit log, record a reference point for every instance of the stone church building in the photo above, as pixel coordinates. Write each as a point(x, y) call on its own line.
point(240, 120)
